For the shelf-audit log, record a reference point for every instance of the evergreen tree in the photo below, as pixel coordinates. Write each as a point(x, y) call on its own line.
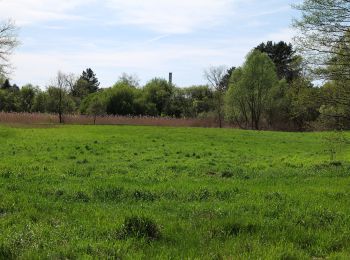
point(92, 82)
point(6, 85)
point(283, 56)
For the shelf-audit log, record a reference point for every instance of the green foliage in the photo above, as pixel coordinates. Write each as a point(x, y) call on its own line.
point(225, 81)
point(250, 92)
point(6, 85)
point(40, 102)
point(81, 88)
point(304, 101)
point(286, 62)
point(158, 92)
point(96, 106)
point(338, 66)
point(88, 100)
point(59, 100)
point(324, 39)
point(178, 104)
point(27, 96)
point(334, 142)
point(87, 83)
point(121, 99)
point(335, 93)
point(278, 105)
point(131, 80)
point(2, 79)
point(195, 101)
point(9, 100)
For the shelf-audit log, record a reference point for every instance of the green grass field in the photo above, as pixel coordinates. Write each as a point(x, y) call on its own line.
point(153, 193)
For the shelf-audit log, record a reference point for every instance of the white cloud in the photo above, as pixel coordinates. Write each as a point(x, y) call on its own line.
point(187, 61)
point(42, 66)
point(171, 16)
point(26, 12)
point(227, 30)
point(285, 34)
point(165, 16)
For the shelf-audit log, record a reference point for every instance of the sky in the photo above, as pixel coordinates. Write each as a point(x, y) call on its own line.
point(147, 38)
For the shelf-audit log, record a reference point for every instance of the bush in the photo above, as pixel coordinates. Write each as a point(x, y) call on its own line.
point(334, 143)
point(139, 227)
point(121, 100)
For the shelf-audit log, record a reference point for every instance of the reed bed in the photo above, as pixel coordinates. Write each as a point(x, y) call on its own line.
point(52, 119)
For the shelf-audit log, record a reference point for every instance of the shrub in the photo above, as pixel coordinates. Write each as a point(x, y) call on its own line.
point(81, 196)
point(334, 143)
point(139, 227)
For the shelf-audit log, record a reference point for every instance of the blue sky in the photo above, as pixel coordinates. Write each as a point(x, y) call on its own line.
point(148, 38)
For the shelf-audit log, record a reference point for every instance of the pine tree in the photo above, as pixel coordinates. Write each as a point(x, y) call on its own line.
point(90, 77)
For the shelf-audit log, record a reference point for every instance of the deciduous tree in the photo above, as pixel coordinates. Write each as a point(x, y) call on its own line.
point(158, 92)
point(8, 42)
point(58, 99)
point(250, 91)
point(322, 30)
point(96, 107)
point(216, 76)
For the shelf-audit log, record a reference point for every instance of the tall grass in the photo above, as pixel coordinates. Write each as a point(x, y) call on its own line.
point(39, 118)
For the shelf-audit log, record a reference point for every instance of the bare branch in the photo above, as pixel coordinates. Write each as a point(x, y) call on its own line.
point(214, 75)
point(8, 42)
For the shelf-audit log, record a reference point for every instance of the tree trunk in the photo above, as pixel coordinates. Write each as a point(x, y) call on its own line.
point(220, 104)
point(60, 107)
point(60, 117)
point(257, 124)
point(220, 120)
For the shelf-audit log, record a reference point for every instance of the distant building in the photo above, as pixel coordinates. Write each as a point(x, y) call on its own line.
point(170, 78)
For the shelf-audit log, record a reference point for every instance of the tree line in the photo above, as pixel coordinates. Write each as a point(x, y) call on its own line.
point(69, 94)
point(279, 86)
point(270, 91)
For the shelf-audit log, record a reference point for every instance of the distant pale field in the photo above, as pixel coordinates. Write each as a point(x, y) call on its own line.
point(154, 192)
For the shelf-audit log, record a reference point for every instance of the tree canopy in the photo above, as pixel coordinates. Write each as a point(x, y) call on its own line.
point(283, 55)
point(86, 84)
point(250, 91)
point(322, 30)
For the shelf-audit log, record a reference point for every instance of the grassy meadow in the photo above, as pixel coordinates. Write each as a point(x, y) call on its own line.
point(133, 192)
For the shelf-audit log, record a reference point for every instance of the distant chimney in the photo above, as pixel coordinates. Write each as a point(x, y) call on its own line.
point(170, 78)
